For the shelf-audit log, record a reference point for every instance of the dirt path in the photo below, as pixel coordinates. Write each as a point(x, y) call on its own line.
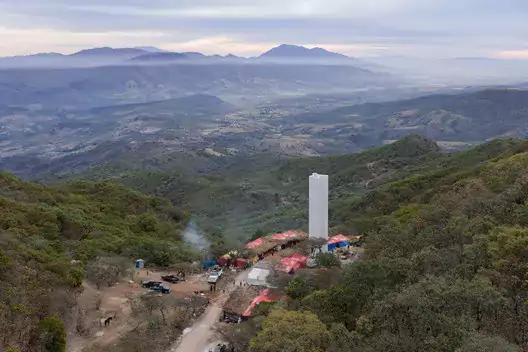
point(200, 335)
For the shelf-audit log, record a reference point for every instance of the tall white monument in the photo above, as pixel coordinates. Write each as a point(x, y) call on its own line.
point(318, 211)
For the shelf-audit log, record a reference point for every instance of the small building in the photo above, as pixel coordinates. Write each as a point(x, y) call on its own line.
point(237, 303)
point(258, 276)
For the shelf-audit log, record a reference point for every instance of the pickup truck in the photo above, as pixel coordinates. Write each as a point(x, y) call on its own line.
point(214, 276)
point(161, 288)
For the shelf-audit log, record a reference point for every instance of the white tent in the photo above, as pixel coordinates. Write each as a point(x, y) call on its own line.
point(258, 276)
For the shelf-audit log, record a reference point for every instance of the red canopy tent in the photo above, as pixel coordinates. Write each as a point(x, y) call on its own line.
point(337, 239)
point(224, 260)
point(288, 235)
point(254, 244)
point(241, 263)
point(292, 263)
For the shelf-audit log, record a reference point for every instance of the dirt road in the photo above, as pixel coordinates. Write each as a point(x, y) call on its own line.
point(200, 335)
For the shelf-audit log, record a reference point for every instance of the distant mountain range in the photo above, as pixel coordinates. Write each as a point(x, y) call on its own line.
point(108, 55)
point(108, 76)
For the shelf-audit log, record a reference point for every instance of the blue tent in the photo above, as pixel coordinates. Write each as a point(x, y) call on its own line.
point(206, 264)
point(337, 241)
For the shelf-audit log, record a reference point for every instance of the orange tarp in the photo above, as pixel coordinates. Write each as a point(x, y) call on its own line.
point(264, 296)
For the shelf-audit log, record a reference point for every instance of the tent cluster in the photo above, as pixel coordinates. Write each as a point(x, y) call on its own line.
point(227, 260)
point(233, 259)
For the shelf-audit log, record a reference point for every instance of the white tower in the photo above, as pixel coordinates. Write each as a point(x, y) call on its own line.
point(318, 211)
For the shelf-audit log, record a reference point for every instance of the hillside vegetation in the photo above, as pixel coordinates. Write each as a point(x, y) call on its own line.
point(49, 234)
point(266, 193)
point(445, 267)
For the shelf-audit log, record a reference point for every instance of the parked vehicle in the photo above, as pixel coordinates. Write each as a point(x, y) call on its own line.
point(213, 278)
point(215, 275)
point(150, 283)
point(161, 288)
point(173, 279)
point(218, 269)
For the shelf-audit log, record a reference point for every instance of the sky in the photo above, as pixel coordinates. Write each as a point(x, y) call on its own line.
point(360, 28)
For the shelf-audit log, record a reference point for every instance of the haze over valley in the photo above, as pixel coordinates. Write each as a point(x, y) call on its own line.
point(98, 105)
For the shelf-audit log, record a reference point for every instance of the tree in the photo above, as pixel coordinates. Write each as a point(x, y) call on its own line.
point(482, 343)
point(257, 234)
point(52, 334)
point(298, 288)
point(291, 331)
point(434, 314)
point(12, 349)
point(327, 260)
point(106, 270)
point(342, 339)
point(507, 247)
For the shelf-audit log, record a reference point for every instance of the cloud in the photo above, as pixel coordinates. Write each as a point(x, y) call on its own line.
point(513, 54)
point(220, 45)
point(357, 27)
point(30, 41)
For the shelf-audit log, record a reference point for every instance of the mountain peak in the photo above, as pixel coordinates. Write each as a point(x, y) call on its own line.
point(108, 51)
point(297, 51)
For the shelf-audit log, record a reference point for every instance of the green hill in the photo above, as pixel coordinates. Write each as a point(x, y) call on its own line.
point(49, 234)
point(244, 194)
point(445, 266)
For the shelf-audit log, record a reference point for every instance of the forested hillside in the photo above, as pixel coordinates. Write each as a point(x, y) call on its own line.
point(445, 267)
point(49, 235)
point(264, 192)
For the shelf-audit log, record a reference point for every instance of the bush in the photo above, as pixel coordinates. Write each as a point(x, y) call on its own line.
point(327, 260)
point(106, 270)
point(52, 334)
point(298, 288)
point(300, 331)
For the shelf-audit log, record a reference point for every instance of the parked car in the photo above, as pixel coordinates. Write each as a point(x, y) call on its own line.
point(171, 278)
point(213, 277)
point(150, 283)
point(161, 288)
